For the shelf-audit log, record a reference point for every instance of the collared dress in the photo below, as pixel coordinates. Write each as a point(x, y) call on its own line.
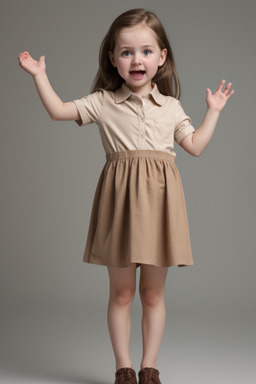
point(139, 212)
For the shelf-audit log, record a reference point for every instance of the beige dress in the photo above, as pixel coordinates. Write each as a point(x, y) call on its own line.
point(139, 213)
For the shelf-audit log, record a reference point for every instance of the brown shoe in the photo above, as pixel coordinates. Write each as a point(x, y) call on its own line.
point(149, 376)
point(125, 376)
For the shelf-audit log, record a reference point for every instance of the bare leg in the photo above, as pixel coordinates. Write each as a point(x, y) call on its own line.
point(122, 290)
point(152, 286)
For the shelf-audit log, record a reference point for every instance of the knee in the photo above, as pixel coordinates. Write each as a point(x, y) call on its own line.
point(123, 296)
point(151, 297)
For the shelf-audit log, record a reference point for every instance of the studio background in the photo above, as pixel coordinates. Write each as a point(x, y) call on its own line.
point(53, 306)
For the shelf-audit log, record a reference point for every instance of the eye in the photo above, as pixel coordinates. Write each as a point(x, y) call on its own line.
point(147, 52)
point(126, 53)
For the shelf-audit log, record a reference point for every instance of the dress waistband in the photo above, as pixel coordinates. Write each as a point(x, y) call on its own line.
point(140, 153)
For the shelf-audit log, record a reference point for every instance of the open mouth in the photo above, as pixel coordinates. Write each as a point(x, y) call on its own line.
point(137, 75)
point(140, 72)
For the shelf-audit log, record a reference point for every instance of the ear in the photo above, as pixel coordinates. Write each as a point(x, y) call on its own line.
point(111, 58)
point(162, 57)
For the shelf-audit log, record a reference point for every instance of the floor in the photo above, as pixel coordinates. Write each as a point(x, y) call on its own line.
point(72, 347)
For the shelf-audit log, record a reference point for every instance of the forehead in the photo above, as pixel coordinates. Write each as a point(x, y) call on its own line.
point(138, 35)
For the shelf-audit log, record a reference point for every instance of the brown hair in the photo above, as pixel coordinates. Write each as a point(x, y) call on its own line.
point(108, 77)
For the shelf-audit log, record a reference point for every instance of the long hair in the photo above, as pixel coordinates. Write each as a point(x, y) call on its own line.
point(108, 77)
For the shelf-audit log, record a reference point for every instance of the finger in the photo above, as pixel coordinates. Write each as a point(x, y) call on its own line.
point(21, 58)
point(42, 59)
point(227, 89)
point(230, 94)
point(220, 86)
point(24, 55)
point(21, 55)
point(208, 92)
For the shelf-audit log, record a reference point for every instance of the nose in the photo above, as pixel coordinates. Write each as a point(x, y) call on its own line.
point(136, 58)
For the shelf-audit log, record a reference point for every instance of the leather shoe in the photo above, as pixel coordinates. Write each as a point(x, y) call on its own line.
point(149, 376)
point(125, 376)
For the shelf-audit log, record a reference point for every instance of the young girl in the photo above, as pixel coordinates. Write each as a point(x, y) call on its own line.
point(139, 215)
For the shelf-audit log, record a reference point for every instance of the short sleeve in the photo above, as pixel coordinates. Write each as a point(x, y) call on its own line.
point(90, 108)
point(183, 124)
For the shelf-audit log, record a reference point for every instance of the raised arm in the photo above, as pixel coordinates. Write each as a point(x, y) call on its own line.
point(196, 142)
point(53, 104)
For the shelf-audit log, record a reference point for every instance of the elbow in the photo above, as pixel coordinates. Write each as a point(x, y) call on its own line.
point(54, 117)
point(194, 151)
point(56, 114)
point(197, 152)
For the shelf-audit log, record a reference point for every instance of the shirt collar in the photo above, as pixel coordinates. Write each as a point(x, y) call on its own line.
point(123, 93)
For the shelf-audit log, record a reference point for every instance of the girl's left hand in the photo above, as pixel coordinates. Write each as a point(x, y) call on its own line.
point(217, 101)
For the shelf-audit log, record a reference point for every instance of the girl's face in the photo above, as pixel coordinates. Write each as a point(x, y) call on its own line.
point(137, 57)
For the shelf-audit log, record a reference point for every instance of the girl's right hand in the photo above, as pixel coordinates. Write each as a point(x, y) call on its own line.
point(30, 65)
point(53, 104)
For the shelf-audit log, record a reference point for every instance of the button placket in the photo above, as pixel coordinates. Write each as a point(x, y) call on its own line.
point(141, 127)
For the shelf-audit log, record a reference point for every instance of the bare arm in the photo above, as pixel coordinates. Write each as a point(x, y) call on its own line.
point(196, 142)
point(53, 104)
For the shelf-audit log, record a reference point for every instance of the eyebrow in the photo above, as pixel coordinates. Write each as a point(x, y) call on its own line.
point(143, 46)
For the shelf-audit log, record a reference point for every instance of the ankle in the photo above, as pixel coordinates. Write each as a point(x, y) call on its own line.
point(123, 364)
point(148, 364)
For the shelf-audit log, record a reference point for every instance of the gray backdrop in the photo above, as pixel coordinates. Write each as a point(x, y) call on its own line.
point(53, 306)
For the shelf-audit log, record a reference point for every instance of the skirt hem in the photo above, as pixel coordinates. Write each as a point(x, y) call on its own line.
point(139, 263)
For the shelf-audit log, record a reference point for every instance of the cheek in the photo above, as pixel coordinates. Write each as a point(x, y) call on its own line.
point(154, 64)
point(122, 64)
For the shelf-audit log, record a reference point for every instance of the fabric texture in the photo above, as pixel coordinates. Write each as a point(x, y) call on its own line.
point(139, 213)
point(128, 122)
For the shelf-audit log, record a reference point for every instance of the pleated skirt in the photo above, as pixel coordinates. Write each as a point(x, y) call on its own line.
point(139, 213)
